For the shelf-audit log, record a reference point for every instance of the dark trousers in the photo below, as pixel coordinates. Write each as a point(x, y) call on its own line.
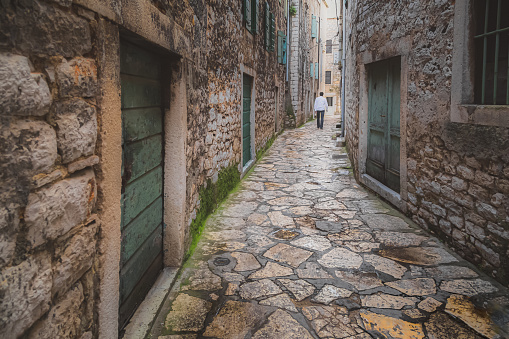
point(319, 119)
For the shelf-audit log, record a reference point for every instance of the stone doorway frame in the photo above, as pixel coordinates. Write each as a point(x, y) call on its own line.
point(395, 48)
point(109, 178)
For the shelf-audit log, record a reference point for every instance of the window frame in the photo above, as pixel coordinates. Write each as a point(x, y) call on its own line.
point(330, 77)
point(463, 108)
point(328, 46)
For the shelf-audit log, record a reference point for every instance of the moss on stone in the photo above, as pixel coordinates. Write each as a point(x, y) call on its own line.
point(268, 144)
point(211, 196)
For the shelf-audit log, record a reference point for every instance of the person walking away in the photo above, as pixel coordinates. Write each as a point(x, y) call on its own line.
point(321, 106)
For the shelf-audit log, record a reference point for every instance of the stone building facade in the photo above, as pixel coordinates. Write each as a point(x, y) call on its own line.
point(447, 155)
point(305, 57)
point(330, 80)
point(69, 71)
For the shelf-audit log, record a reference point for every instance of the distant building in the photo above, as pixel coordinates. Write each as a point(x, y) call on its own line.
point(330, 80)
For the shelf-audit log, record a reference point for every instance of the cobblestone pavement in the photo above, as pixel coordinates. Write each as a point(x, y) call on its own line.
point(302, 251)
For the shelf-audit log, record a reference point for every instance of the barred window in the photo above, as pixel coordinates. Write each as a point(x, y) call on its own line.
point(329, 101)
point(491, 40)
point(328, 77)
point(328, 46)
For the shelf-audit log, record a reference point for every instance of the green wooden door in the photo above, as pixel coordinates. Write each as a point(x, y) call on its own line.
point(383, 162)
point(246, 120)
point(141, 257)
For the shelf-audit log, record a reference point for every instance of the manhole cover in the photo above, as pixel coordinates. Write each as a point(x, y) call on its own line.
point(221, 261)
point(286, 234)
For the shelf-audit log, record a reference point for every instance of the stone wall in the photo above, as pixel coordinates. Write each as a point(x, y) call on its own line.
point(331, 26)
point(48, 119)
point(303, 51)
point(458, 174)
point(57, 252)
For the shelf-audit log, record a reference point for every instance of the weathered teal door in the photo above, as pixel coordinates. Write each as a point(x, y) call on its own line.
point(246, 120)
point(142, 177)
point(383, 162)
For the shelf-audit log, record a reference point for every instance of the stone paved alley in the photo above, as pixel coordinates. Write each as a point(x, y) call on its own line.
point(301, 251)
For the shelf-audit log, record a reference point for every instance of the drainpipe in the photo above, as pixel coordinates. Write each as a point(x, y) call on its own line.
point(343, 68)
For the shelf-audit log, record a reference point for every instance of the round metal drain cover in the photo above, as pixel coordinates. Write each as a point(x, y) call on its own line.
point(221, 261)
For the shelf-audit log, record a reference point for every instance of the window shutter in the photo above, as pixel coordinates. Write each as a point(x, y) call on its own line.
point(256, 16)
point(317, 72)
point(267, 25)
point(280, 47)
point(284, 49)
point(313, 26)
point(272, 42)
point(248, 14)
point(311, 68)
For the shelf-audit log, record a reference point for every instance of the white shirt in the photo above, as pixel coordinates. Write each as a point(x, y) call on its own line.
point(321, 104)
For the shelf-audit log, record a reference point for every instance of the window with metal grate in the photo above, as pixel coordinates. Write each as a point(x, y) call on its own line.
point(491, 42)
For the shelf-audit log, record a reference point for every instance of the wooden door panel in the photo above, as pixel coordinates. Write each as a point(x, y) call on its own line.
point(140, 92)
point(137, 232)
point(383, 158)
point(141, 193)
point(142, 177)
point(133, 270)
point(139, 123)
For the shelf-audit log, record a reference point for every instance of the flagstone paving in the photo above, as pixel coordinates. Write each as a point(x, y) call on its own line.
point(303, 251)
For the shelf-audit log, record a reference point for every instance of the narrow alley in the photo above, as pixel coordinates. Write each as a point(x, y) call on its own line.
point(301, 251)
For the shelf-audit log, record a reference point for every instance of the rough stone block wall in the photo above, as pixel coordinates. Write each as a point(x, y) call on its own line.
point(458, 174)
point(215, 102)
point(48, 133)
point(303, 51)
point(50, 115)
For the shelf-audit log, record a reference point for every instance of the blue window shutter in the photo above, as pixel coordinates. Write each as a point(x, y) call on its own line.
point(256, 16)
point(272, 42)
point(311, 68)
point(284, 49)
point(267, 25)
point(280, 47)
point(313, 26)
point(317, 71)
point(248, 14)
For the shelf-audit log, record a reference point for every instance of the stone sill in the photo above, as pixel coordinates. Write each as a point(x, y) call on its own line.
point(384, 191)
point(486, 115)
point(246, 168)
point(143, 320)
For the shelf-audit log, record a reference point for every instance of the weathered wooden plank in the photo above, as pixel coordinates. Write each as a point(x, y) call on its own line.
point(141, 193)
point(136, 61)
point(131, 302)
point(142, 156)
point(140, 123)
point(246, 130)
point(138, 230)
point(139, 92)
point(133, 270)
